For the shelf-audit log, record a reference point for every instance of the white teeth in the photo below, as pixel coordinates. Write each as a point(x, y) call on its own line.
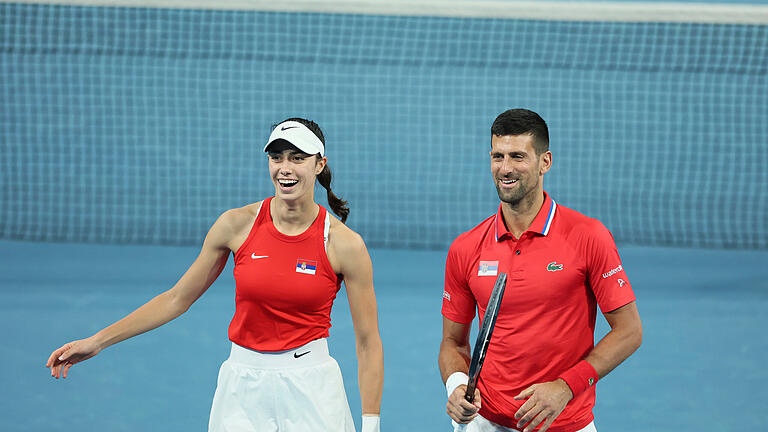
point(507, 181)
point(288, 183)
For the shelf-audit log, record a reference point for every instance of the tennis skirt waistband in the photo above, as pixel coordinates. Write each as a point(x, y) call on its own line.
point(310, 354)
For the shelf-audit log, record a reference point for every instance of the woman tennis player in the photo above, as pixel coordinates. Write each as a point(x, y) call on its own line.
point(290, 258)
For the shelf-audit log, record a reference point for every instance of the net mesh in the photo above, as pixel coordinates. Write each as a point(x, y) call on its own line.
point(137, 125)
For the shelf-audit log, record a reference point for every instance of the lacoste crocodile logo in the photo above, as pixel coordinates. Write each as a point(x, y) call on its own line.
point(554, 266)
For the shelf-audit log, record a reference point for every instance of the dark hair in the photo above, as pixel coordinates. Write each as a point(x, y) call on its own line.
point(521, 121)
point(338, 205)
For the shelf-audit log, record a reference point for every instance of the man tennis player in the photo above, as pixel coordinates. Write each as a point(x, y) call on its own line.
point(541, 365)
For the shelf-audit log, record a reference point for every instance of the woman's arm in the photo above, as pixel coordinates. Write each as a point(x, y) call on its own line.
point(354, 262)
point(161, 309)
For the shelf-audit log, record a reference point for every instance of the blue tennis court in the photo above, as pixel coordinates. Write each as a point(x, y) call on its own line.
point(704, 316)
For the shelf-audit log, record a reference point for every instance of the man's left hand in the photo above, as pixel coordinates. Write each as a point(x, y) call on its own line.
point(545, 402)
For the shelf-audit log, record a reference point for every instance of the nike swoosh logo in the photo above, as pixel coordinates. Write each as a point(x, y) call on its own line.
point(297, 355)
point(288, 127)
point(254, 256)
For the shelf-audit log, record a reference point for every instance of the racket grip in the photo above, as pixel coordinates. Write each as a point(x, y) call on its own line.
point(469, 394)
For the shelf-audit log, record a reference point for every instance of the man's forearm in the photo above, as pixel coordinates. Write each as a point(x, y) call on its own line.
point(453, 358)
point(625, 337)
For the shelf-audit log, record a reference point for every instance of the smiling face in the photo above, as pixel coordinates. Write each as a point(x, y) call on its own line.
point(516, 168)
point(293, 172)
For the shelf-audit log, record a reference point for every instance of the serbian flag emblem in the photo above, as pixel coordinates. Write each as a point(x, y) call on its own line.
point(306, 266)
point(488, 268)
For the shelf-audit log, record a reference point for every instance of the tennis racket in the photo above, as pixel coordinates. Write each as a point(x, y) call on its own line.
point(483, 339)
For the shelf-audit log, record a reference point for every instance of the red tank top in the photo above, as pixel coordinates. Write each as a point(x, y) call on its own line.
point(285, 286)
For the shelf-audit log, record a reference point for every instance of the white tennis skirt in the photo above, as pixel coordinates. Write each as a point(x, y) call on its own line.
point(295, 390)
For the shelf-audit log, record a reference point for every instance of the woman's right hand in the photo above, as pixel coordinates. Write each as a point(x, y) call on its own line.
point(70, 353)
point(164, 307)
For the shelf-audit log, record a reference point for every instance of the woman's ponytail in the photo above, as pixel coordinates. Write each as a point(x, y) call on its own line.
point(338, 205)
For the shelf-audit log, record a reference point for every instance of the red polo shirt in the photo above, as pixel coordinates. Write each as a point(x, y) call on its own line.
point(558, 272)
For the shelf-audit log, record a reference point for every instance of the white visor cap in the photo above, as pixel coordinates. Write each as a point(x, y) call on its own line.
point(298, 135)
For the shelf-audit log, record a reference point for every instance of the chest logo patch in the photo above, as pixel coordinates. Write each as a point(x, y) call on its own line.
point(554, 266)
point(306, 266)
point(488, 268)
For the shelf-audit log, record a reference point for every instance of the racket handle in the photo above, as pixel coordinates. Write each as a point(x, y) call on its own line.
point(469, 396)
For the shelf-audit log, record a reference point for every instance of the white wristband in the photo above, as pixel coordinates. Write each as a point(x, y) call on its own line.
point(456, 379)
point(370, 423)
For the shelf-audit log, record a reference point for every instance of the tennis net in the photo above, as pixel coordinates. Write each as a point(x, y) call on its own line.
point(140, 125)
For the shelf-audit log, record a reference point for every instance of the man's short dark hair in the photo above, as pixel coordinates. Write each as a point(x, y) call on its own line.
point(520, 121)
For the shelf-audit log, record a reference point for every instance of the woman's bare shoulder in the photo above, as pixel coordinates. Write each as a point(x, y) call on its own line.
point(237, 218)
point(344, 239)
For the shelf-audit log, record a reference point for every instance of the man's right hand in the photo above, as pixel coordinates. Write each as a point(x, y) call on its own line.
point(459, 409)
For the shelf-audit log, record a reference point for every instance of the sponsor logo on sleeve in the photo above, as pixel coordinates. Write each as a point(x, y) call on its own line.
point(613, 272)
point(621, 282)
point(488, 268)
point(447, 295)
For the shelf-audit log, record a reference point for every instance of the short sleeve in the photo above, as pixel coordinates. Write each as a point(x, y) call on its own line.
point(458, 301)
point(606, 274)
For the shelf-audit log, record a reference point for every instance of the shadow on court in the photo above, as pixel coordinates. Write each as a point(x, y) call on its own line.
point(703, 313)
